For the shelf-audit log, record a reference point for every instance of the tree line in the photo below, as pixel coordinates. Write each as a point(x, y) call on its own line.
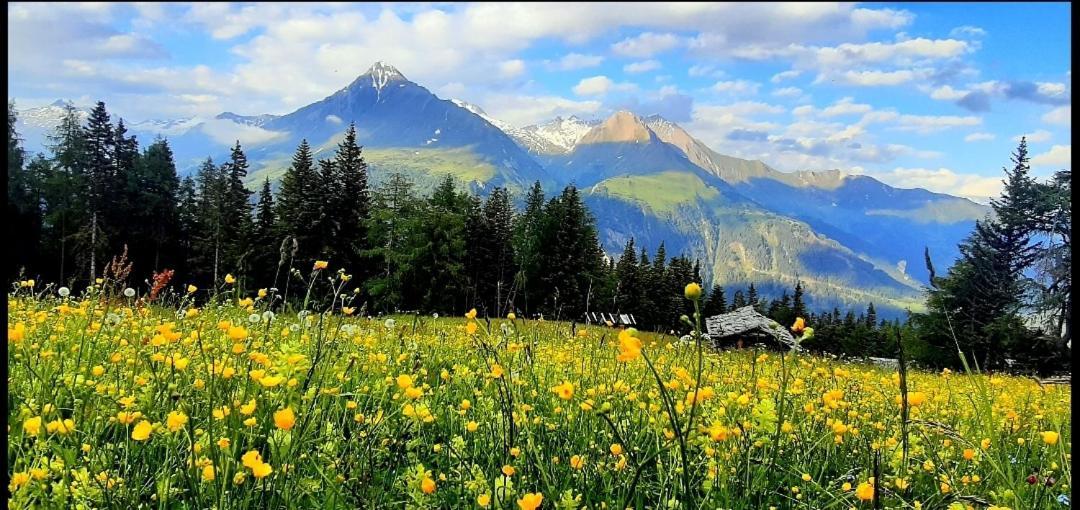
point(97, 194)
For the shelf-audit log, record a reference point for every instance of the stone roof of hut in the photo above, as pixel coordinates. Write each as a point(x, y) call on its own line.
point(746, 320)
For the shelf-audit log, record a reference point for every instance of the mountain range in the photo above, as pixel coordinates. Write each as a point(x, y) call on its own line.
point(850, 239)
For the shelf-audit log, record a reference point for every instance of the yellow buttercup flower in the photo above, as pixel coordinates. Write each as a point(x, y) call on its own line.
point(692, 291)
point(320, 265)
point(230, 279)
point(530, 501)
point(284, 419)
point(142, 431)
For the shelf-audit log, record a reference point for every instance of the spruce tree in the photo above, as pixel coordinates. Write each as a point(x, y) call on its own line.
point(265, 244)
point(527, 232)
point(798, 307)
point(23, 208)
point(100, 151)
point(237, 223)
point(352, 205)
point(65, 184)
point(298, 207)
point(715, 303)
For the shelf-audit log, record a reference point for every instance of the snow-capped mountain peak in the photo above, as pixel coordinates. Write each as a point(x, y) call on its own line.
point(382, 74)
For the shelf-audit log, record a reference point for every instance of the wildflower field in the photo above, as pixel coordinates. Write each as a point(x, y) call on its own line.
point(228, 401)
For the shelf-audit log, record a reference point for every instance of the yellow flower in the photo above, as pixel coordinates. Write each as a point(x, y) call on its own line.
point(427, 485)
point(565, 390)
point(470, 328)
point(577, 462)
point(248, 408)
point(629, 345)
point(404, 381)
point(508, 470)
point(32, 426)
point(530, 501)
point(347, 310)
point(496, 371)
point(230, 279)
point(511, 316)
point(176, 421)
point(616, 449)
point(271, 381)
point(969, 454)
point(237, 333)
point(142, 431)
point(208, 473)
point(865, 491)
point(60, 427)
point(251, 458)
point(18, 480)
point(692, 291)
point(97, 371)
point(191, 289)
point(806, 477)
point(483, 500)
point(414, 393)
point(471, 314)
point(799, 326)
point(320, 265)
point(261, 470)
point(284, 419)
point(1049, 437)
point(471, 426)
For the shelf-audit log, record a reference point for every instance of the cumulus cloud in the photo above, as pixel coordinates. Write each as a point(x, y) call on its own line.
point(1059, 156)
point(975, 187)
point(979, 137)
point(785, 75)
point(788, 92)
point(1061, 116)
point(846, 106)
point(600, 85)
point(642, 66)
point(572, 61)
point(1037, 136)
point(645, 45)
point(333, 119)
point(736, 87)
point(227, 132)
point(511, 68)
point(522, 110)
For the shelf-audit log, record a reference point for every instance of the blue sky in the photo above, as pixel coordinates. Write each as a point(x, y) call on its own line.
point(918, 95)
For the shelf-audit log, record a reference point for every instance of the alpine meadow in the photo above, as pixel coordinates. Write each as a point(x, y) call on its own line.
point(527, 256)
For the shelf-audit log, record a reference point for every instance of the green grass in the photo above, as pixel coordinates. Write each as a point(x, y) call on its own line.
point(662, 192)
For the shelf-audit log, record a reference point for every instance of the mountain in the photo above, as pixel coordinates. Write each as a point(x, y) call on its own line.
point(403, 127)
point(34, 125)
point(850, 239)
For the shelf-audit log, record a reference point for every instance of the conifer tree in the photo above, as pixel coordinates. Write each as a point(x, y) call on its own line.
point(237, 223)
point(298, 206)
point(351, 205)
point(715, 303)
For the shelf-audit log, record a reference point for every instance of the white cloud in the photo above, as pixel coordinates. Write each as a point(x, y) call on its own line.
point(600, 85)
point(645, 45)
point(1061, 116)
point(788, 92)
point(227, 132)
point(333, 119)
point(925, 124)
point(967, 31)
point(947, 93)
point(785, 75)
point(846, 106)
point(700, 70)
point(736, 87)
point(522, 110)
point(1038, 136)
point(1059, 156)
point(593, 86)
point(572, 61)
point(642, 67)
point(875, 78)
point(943, 180)
point(511, 68)
point(979, 137)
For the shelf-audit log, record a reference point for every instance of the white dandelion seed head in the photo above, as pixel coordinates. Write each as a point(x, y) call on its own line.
point(63, 291)
point(268, 316)
point(254, 318)
point(389, 323)
point(129, 292)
